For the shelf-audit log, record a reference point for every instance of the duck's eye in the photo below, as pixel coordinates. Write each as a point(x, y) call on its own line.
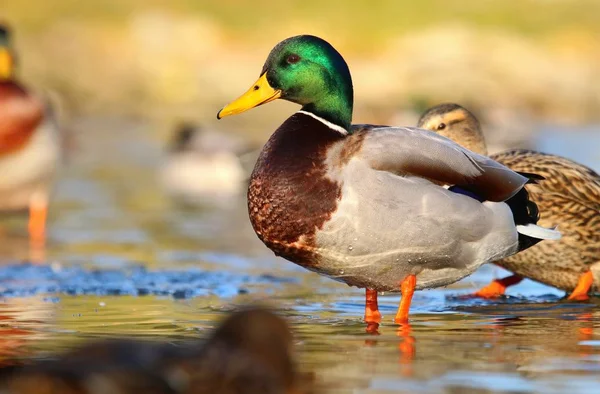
point(293, 58)
point(441, 126)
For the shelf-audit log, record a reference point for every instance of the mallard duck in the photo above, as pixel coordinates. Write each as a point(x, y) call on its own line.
point(376, 207)
point(204, 165)
point(569, 196)
point(250, 352)
point(29, 146)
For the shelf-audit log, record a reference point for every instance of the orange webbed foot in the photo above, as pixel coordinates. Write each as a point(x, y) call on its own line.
point(583, 287)
point(498, 287)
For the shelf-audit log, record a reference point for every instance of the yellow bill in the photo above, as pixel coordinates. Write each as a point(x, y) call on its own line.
point(259, 93)
point(6, 63)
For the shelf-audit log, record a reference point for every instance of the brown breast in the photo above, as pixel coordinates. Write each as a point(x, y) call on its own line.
point(20, 115)
point(290, 196)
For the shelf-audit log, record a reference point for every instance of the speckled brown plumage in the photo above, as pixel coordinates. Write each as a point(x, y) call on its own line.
point(290, 197)
point(569, 196)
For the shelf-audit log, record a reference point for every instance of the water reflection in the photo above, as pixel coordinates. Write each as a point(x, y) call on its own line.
point(23, 321)
point(251, 351)
point(527, 343)
point(504, 352)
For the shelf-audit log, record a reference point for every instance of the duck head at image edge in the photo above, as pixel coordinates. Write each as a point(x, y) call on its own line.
point(30, 145)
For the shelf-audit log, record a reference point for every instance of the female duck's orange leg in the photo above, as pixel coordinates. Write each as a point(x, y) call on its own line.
point(408, 289)
point(583, 287)
point(372, 314)
point(498, 287)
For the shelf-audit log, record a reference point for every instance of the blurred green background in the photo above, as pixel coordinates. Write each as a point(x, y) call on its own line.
point(186, 58)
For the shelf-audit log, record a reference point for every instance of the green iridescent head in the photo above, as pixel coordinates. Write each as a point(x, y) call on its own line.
point(308, 71)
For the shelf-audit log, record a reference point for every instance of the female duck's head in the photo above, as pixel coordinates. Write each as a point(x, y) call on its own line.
point(457, 123)
point(308, 71)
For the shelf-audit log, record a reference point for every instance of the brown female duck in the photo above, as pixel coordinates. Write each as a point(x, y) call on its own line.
point(568, 196)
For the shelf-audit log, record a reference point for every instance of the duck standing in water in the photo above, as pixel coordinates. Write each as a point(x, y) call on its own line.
point(29, 147)
point(380, 208)
point(568, 196)
point(203, 165)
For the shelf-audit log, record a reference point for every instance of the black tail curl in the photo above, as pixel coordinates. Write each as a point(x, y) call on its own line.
point(525, 211)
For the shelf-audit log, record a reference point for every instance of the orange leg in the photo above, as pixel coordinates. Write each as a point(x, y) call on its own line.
point(583, 287)
point(498, 287)
point(38, 211)
point(372, 314)
point(408, 289)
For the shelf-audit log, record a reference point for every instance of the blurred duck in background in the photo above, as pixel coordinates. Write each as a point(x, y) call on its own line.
point(29, 146)
point(206, 166)
point(251, 352)
point(569, 196)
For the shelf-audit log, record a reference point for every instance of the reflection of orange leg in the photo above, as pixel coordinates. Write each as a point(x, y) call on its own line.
point(407, 287)
point(498, 287)
point(407, 349)
point(11, 343)
point(586, 333)
point(583, 287)
point(372, 314)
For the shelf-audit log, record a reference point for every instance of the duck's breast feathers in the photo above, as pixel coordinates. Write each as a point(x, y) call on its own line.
point(20, 115)
point(420, 153)
point(290, 195)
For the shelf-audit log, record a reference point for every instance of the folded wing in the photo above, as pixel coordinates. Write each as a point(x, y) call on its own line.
point(410, 151)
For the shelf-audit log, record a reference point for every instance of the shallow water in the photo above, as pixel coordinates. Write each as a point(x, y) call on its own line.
point(124, 260)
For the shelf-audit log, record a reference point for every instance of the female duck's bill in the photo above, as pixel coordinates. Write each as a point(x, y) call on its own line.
point(370, 205)
point(568, 195)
